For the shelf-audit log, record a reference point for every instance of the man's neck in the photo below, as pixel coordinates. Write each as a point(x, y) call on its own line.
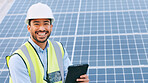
point(41, 45)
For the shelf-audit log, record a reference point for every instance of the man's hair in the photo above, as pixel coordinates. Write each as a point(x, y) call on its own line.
point(29, 21)
point(32, 19)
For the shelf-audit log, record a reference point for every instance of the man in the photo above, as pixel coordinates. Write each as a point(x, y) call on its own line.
point(39, 60)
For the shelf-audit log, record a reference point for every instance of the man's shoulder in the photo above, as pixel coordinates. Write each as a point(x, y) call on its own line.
point(14, 58)
point(16, 61)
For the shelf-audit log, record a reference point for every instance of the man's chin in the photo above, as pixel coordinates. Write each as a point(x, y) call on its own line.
point(42, 41)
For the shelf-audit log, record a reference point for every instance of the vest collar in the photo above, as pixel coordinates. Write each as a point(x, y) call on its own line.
point(37, 48)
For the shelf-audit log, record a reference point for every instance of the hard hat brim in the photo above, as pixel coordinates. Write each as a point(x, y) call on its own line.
point(27, 20)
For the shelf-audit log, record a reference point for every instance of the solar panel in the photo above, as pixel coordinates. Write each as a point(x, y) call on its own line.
point(110, 35)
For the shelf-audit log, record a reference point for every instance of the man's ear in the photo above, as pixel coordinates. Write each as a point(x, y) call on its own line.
point(28, 27)
point(51, 27)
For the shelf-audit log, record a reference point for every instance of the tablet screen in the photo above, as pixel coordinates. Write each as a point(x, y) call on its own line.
point(75, 71)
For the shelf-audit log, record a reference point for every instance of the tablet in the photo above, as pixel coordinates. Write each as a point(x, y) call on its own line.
point(75, 71)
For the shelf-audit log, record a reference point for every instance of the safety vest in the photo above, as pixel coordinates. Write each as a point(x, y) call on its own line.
point(35, 67)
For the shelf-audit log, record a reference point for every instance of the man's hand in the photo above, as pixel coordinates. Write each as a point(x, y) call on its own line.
point(83, 79)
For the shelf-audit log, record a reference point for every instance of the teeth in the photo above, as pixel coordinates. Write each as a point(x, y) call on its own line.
point(41, 34)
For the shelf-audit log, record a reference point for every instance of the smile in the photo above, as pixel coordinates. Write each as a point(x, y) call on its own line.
point(41, 33)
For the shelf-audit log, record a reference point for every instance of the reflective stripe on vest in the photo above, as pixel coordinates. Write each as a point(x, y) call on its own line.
point(35, 66)
point(60, 62)
point(32, 71)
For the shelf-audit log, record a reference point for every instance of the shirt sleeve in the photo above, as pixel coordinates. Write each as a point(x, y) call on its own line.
point(18, 70)
point(66, 63)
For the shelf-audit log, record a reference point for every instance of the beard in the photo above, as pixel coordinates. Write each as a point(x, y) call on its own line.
point(36, 39)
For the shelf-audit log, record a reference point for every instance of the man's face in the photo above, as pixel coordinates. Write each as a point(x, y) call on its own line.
point(40, 30)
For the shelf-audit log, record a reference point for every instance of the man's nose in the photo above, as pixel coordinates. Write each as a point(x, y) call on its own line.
point(42, 28)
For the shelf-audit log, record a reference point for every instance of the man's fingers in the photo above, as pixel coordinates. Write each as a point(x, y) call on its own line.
point(84, 76)
point(83, 79)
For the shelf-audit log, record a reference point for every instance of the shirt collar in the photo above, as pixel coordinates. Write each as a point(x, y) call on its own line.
point(37, 48)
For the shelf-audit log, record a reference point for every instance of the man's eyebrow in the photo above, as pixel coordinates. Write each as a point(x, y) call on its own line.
point(35, 21)
point(39, 21)
point(46, 21)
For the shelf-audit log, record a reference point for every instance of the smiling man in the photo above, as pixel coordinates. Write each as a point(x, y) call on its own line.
point(40, 30)
point(40, 60)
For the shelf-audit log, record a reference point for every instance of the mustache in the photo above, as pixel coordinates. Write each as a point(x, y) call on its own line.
point(41, 31)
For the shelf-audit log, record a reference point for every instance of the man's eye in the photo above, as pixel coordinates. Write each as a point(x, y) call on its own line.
point(46, 24)
point(36, 24)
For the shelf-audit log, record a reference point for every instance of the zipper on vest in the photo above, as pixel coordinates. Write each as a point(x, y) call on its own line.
point(47, 76)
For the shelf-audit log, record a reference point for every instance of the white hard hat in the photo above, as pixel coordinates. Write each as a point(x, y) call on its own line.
point(38, 11)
